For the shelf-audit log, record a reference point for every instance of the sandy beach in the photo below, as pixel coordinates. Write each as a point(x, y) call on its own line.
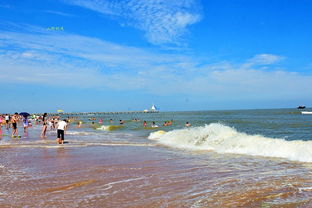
point(119, 176)
point(119, 169)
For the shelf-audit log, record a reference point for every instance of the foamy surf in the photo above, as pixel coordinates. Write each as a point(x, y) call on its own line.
point(223, 139)
point(74, 144)
point(80, 133)
point(110, 127)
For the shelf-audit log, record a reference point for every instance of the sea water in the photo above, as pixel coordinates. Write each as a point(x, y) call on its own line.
point(233, 158)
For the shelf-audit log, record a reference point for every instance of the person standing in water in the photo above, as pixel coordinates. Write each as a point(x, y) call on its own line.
point(14, 121)
point(25, 124)
point(1, 121)
point(7, 120)
point(45, 125)
point(61, 128)
point(79, 124)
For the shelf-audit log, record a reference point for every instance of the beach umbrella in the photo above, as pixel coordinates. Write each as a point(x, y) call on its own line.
point(24, 114)
point(60, 111)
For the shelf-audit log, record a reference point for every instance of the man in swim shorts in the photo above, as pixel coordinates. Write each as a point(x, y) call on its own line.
point(14, 121)
point(61, 127)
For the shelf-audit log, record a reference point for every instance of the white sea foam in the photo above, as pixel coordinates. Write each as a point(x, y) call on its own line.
point(79, 133)
point(305, 189)
point(74, 144)
point(110, 127)
point(223, 139)
point(103, 127)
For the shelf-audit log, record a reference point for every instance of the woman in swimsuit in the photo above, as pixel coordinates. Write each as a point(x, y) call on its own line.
point(45, 125)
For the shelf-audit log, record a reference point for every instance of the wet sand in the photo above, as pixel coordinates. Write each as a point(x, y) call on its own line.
point(148, 176)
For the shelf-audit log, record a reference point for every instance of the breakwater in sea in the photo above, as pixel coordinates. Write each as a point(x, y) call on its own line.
point(99, 113)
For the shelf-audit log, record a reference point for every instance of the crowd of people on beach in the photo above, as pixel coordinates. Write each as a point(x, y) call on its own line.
point(26, 120)
point(53, 123)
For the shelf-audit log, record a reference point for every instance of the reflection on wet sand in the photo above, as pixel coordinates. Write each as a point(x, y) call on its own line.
point(121, 176)
point(67, 187)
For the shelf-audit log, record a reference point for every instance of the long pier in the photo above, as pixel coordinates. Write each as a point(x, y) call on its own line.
point(99, 113)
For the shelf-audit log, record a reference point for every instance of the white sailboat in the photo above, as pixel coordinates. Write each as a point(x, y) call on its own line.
point(306, 112)
point(153, 108)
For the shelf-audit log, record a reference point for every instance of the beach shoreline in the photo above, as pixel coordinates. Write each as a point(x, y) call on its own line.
point(122, 167)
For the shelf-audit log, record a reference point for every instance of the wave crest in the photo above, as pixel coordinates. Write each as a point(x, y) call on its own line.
point(223, 139)
point(110, 127)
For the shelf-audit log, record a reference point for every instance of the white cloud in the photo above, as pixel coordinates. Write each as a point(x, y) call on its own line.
point(163, 21)
point(263, 59)
point(83, 62)
point(59, 13)
point(27, 55)
point(90, 49)
point(102, 6)
point(45, 57)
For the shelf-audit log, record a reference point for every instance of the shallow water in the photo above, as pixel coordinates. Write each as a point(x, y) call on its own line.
point(259, 158)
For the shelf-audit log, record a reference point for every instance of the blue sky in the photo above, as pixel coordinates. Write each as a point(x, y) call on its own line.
point(108, 55)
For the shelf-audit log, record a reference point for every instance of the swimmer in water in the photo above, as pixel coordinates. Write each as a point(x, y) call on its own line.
point(79, 124)
point(154, 125)
point(187, 124)
point(169, 123)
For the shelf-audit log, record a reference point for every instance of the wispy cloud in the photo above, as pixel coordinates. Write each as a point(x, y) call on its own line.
point(24, 53)
point(60, 58)
point(59, 13)
point(163, 21)
point(263, 59)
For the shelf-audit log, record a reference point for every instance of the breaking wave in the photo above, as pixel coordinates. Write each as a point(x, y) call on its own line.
point(110, 127)
point(223, 139)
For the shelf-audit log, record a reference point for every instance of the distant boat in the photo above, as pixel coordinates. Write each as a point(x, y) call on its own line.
point(153, 108)
point(301, 107)
point(306, 112)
